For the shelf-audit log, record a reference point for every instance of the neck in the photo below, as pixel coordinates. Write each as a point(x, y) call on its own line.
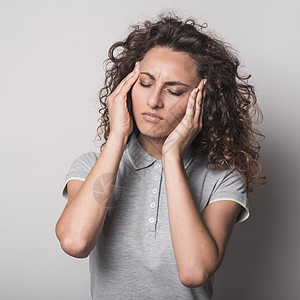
point(152, 145)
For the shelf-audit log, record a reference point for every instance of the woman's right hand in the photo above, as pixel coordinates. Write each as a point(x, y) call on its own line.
point(121, 123)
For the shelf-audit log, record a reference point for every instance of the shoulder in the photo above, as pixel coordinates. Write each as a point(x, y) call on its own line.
point(216, 175)
point(86, 159)
point(82, 165)
point(80, 168)
point(221, 184)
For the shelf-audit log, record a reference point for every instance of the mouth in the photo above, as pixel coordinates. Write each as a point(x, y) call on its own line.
point(152, 117)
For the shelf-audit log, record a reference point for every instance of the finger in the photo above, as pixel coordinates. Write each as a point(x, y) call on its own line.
point(126, 78)
point(131, 78)
point(198, 107)
point(190, 110)
point(129, 82)
point(199, 103)
point(202, 110)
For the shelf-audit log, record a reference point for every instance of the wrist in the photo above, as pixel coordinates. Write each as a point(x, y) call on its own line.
point(171, 158)
point(117, 140)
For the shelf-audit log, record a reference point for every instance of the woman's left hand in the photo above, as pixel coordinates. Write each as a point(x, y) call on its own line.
point(189, 127)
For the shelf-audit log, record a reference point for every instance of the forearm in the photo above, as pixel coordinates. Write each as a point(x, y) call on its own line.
point(195, 250)
point(83, 217)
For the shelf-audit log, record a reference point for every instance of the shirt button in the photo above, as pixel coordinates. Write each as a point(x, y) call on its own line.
point(152, 205)
point(154, 191)
point(157, 165)
point(151, 220)
point(155, 177)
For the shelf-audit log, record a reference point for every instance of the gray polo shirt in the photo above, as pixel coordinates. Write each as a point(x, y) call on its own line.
point(134, 257)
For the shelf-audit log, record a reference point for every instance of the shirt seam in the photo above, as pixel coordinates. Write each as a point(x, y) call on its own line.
point(237, 201)
point(131, 161)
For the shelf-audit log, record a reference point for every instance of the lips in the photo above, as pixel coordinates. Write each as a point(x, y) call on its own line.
point(153, 115)
point(153, 118)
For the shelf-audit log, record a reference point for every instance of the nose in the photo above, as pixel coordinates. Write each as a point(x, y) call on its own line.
point(155, 99)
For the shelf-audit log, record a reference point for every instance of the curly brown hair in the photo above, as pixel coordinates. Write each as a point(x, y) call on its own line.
point(228, 139)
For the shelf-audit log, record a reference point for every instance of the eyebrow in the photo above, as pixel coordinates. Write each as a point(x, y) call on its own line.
point(167, 82)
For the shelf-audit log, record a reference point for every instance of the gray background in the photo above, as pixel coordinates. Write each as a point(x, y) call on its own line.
point(50, 73)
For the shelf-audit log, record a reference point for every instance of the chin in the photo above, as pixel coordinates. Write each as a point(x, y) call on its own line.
point(152, 131)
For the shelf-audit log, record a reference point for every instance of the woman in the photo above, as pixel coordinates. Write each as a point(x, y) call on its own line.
point(155, 209)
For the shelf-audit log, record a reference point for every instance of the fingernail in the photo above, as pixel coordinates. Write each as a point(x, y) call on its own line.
point(204, 82)
point(197, 90)
point(136, 66)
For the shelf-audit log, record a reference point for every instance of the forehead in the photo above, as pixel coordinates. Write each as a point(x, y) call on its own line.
point(162, 61)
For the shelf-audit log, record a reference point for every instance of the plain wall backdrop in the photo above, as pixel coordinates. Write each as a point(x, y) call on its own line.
point(50, 74)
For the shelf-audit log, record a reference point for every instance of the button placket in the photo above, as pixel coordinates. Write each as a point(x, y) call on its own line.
point(155, 182)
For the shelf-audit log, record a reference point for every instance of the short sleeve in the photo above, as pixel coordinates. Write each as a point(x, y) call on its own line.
point(80, 169)
point(233, 187)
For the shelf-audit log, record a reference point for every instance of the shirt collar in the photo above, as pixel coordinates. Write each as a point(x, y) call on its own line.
point(139, 158)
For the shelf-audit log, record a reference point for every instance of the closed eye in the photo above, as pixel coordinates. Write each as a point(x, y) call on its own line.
point(170, 91)
point(144, 85)
point(175, 93)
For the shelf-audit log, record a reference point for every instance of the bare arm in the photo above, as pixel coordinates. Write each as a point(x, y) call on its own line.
point(82, 219)
point(81, 222)
point(199, 241)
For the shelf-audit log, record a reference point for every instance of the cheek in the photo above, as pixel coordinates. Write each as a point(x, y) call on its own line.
point(134, 96)
point(133, 92)
point(136, 100)
point(178, 110)
point(136, 93)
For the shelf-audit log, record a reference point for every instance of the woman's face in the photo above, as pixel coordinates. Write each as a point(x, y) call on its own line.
point(166, 80)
